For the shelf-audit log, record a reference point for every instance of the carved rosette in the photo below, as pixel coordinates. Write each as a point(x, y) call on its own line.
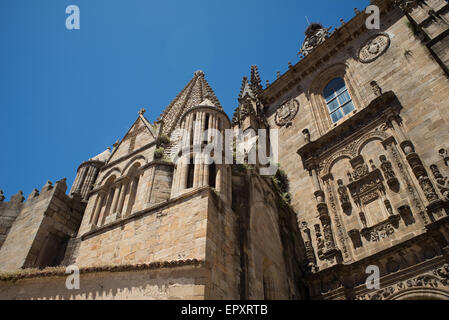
point(374, 47)
point(286, 113)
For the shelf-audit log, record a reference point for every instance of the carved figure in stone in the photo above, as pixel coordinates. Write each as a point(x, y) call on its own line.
point(2, 197)
point(387, 168)
point(363, 219)
point(343, 193)
point(376, 88)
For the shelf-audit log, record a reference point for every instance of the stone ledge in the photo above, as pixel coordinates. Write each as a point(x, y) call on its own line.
point(61, 271)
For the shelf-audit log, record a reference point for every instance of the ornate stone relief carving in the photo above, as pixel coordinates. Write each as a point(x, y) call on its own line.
point(310, 253)
point(389, 174)
point(374, 47)
point(438, 278)
point(410, 189)
point(286, 113)
point(406, 5)
point(442, 182)
point(316, 34)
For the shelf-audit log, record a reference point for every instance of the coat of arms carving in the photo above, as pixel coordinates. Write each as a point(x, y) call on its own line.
point(374, 47)
point(286, 113)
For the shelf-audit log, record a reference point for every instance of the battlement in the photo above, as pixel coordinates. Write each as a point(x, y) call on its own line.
point(35, 232)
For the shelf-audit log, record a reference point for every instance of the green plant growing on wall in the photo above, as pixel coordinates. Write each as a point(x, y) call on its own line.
point(159, 153)
point(163, 141)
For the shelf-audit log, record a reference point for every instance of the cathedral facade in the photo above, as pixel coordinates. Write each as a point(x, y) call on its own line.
point(361, 183)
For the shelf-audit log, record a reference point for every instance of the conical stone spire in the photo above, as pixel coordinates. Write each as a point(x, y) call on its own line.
point(193, 94)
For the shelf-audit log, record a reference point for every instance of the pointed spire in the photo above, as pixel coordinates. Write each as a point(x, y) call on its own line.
point(193, 94)
point(256, 82)
point(246, 88)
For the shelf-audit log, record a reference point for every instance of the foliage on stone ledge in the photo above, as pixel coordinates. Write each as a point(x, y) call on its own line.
point(163, 141)
point(280, 180)
point(159, 153)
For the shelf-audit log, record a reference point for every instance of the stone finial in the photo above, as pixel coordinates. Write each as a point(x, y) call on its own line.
point(33, 194)
point(2, 196)
point(356, 11)
point(142, 111)
point(290, 65)
point(267, 83)
point(115, 145)
point(17, 198)
point(62, 184)
point(278, 74)
point(47, 186)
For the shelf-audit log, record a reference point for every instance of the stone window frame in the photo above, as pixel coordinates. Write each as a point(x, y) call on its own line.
point(320, 110)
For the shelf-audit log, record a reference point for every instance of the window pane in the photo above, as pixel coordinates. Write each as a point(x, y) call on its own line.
point(333, 105)
point(337, 115)
point(333, 88)
point(344, 97)
point(347, 108)
point(329, 93)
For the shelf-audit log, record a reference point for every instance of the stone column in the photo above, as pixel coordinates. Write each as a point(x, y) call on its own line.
point(115, 199)
point(122, 196)
point(101, 197)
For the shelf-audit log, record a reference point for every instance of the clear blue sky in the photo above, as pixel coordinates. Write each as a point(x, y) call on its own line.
point(66, 96)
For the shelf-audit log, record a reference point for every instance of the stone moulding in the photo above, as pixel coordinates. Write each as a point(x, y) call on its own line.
point(61, 271)
point(437, 278)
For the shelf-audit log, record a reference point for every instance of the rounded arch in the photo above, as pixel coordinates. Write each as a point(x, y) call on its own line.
point(332, 160)
point(421, 294)
point(140, 159)
point(369, 137)
point(106, 176)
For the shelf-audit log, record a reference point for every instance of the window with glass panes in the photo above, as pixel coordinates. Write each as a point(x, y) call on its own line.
point(338, 100)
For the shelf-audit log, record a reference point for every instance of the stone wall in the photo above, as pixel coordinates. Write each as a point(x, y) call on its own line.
point(40, 232)
point(183, 282)
point(8, 214)
point(175, 230)
point(406, 68)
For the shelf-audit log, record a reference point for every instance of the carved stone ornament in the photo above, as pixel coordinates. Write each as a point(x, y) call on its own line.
point(374, 47)
point(436, 279)
point(316, 34)
point(286, 113)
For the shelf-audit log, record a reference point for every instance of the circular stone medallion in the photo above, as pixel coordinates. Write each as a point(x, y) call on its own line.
point(286, 113)
point(374, 47)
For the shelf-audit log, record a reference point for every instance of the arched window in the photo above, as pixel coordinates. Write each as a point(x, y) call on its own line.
point(190, 173)
point(338, 100)
point(212, 174)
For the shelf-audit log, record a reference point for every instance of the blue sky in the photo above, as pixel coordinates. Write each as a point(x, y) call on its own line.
point(66, 96)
